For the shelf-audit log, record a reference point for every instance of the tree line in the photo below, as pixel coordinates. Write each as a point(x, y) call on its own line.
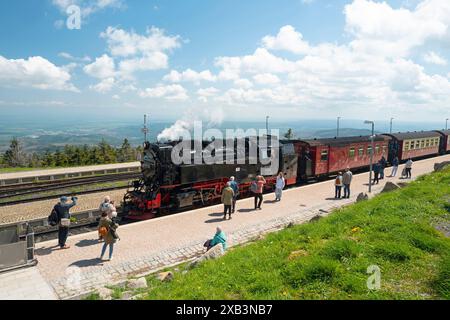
point(69, 155)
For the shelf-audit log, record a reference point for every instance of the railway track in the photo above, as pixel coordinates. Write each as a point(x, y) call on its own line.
point(36, 188)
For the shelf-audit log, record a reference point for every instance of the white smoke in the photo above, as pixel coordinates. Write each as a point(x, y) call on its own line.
point(175, 131)
point(212, 118)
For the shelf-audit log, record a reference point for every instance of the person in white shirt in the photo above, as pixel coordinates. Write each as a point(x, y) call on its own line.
point(279, 186)
point(408, 167)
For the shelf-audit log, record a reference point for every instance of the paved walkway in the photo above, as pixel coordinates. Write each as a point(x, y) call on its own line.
point(25, 284)
point(52, 172)
point(153, 244)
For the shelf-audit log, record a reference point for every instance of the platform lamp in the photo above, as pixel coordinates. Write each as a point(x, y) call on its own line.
point(372, 137)
point(145, 128)
point(390, 130)
point(267, 125)
point(446, 124)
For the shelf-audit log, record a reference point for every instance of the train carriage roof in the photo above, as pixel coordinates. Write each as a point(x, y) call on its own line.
point(444, 132)
point(413, 135)
point(342, 140)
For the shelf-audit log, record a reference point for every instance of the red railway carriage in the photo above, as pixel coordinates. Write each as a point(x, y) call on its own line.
point(320, 157)
point(445, 141)
point(413, 144)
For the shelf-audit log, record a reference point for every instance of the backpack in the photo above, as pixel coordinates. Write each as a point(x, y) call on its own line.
point(103, 231)
point(254, 187)
point(53, 218)
point(338, 180)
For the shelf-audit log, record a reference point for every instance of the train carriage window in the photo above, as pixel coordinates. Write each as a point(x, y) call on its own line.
point(427, 143)
point(360, 151)
point(351, 153)
point(324, 155)
point(406, 146)
point(377, 149)
point(369, 150)
point(437, 141)
point(417, 144)
point(422, 143)
point(384, 149)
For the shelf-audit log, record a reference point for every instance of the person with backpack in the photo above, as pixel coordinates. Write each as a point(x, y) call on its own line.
point(62, 213)
point(227, 200)
point(107, 229)
point(235, 186)
point(279, 186)
point(107, 206)
point(338, 186)
point(258, 187)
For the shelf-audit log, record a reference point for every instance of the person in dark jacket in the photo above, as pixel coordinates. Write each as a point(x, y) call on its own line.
point(62, 209)
point(376, 172)
point(383, 164)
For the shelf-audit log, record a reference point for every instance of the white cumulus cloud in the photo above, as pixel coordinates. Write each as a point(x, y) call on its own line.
point(36, 72)
point(170, 92)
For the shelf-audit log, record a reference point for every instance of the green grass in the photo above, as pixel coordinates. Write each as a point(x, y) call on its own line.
point(394, 231)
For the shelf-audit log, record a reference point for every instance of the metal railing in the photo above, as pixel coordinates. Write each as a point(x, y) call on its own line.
point(16, 252)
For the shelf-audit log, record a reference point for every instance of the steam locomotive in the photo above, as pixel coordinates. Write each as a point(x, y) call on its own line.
point(167, 186)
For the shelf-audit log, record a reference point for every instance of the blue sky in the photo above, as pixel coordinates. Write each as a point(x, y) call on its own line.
point(228, 59)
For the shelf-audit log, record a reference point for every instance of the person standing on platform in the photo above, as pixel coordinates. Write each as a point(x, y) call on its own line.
point(376, 172)
point(338, 186)
point(260, 182)
point(408, 168)
point(62, 210)
point(107, 228)
point(279, 186)
point(347, 180)
point(395, 163)
point(234, 185)
point(383, 164)
point(227, 200)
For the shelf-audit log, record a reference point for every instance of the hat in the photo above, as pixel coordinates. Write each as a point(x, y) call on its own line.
point(63, 199)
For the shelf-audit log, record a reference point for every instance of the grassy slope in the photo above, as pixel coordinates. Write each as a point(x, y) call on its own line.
point(393, 231)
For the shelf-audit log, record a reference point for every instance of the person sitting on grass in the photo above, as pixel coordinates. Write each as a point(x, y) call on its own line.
point(219, 237)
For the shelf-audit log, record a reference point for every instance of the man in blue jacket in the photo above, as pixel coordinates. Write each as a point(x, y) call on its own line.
point(234, 185)
point(62, 209)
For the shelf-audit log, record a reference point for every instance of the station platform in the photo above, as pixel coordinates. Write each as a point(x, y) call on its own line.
point(63, 173)
point(154, 244)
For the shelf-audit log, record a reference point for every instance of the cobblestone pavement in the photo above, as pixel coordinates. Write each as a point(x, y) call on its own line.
point(25, 284)
point(153, 244)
